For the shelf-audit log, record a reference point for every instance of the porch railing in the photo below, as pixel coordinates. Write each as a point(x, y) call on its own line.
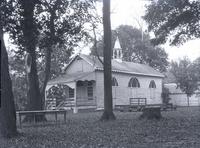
point(51, 104)
point(86, 101)
point(66, 103)
point(69, 103)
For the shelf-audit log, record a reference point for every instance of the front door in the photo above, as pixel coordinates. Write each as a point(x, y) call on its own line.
point(81, 90)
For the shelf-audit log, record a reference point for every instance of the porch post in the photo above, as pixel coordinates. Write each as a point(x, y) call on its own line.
point(75, 99)
point(45, 95)
point(45, 99)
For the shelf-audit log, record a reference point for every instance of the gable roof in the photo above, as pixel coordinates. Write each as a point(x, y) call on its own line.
point(169, 77)
point(121, 67)
point(173, 89)
point(66, 78)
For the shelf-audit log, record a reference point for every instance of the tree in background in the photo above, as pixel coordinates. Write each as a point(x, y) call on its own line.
point(136, 48)
point(7, 108)
point(54, 24)
point(62, 28)
point(29, 36)
point(19, 80)
point(176, 21)
point(57, 92)
point(196, 67)
point(108, 104)
point(186, 77)
point(165, 95)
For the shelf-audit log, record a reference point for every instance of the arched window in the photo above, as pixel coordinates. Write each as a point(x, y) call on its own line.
point(119, 53)
point(152, 84)
point(134, 83)
point(114, 82)
point(115, 54)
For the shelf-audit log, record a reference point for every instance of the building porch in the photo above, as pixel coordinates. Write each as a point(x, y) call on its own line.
point(71, 95)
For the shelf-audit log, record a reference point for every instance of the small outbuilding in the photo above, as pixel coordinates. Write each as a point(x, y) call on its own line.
point(179, 98)
point(84, 88)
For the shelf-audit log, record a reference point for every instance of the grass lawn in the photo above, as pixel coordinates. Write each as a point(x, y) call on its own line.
point(179, 128)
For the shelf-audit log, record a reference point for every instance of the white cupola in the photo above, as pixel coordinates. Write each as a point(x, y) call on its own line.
point(117, 51)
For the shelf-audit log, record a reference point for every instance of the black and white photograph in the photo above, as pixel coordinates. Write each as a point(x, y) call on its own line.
point(100, 74)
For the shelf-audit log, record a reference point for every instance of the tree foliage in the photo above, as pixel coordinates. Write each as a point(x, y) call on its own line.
point(173, 20)
point(196, 67)
point(40, 28)
point(165, 95)
point(186, 75)
point(57, 92)
point(7, 108)
point(19, 80)
point(136, 48)
point(62, 28)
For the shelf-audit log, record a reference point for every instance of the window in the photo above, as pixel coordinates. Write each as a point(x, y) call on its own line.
point(71, 92)
point(134, 83)
point(114, 82)
point(152, 84)
point(90, 91)
point(119, 54)
point(79, 83)
point(115, 54)
point(89, 83)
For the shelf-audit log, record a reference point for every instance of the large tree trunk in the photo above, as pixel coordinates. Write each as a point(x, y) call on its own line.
point(108, 106)
point(30, 37)
point(35, 102)
point(49, 50)
point(47, 74)
point(34, 97)
point(7, 106)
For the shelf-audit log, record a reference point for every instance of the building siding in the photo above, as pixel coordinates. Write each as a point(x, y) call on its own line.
point(180, 99)
point(122, 93)
point(79, 65)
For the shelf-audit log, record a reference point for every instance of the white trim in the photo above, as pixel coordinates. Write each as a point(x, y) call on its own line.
point(71, 61)
point(88, 62)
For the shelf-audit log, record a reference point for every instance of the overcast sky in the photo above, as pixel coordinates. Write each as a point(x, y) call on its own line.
point(125, 12)
point(128, 11)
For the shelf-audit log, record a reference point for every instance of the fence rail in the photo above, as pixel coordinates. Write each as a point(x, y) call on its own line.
point(40, 112)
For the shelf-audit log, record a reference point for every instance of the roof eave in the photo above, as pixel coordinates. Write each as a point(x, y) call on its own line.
point(70, 62)
point(135, 73)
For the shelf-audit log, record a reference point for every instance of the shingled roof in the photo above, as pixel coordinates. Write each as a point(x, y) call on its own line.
point(123, 66)
point(66, 78)
point(117, 66)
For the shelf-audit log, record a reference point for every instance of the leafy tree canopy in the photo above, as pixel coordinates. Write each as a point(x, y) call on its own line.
point(136, 48)
point(186, 75)
point(68, 21)
point(196, 66)
point(173, 20)
point(44, 25)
